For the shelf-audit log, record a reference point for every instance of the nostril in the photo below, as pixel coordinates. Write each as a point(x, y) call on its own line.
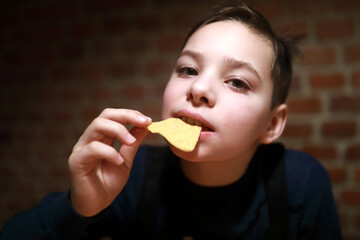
point(204, 99)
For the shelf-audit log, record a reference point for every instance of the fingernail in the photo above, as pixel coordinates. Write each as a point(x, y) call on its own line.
point(120, 159)
point(143, 118)
point(130, 138)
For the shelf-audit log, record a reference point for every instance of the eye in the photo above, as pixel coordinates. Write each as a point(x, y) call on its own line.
point(238, 84)
point(187, 71)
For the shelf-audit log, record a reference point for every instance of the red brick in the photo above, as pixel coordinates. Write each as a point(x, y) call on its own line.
point(83, 30)
point(16, 206)
point(56, 135)
point(357, 221)
point(28, 136)
point(353, 152)
point(14, 58)
point(346, 5)
point(52, 11)
point(134, 46)
point(345, 104)
point(63, 116)
point(306, 7)
point(31, 77)
point(91, 72)
point(101, 93)
point(335, 80)
point(350, 198)
point(335, 29)
point(115, 25)
point(73, 51)
point(125, 69)
point(184, 18)
point(170, 43)
point(48, 96)
point(153, 110)
point(295, 83)
point(271, 9)
point(100, 6)
point(60, 74)
point(357, 175)
point(292, 29)
point(321, 151)
point(158, 68)
point(133, 92)
point(355, 79)
point(50, 34)
point(340, 129)
point(304, 105)
point(90, 114)
point(297, 130)
point(319, 55)
point(149, 22)
point(337, 174)
point(158, 90)
point(43, 55)
point(72, 95)
point(352, 53)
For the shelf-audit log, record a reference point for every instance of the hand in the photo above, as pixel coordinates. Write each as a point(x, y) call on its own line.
point(98, 172)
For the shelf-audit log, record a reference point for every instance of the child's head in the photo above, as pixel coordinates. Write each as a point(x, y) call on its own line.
point(284, 48)
point(232, 77)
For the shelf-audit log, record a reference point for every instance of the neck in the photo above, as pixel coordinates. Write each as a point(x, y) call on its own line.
point(216, 173)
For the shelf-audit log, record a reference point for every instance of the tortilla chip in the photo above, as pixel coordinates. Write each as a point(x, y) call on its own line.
point(177, 132)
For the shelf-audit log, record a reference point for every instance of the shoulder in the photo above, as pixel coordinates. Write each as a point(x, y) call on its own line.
point(306, 177)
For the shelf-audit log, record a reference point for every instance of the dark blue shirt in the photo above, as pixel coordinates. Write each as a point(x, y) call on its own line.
point(236, 211)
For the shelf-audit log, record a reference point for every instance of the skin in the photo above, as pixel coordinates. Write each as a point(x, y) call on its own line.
point(221, 78)
point(229, 86)
point(98, 172)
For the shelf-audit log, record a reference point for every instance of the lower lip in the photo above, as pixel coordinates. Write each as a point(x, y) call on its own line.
point(206, 134)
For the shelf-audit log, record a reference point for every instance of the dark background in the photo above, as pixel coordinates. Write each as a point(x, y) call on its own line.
point(62, 62)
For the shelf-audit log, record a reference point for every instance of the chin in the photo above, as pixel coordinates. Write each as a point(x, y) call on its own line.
point(193, 156)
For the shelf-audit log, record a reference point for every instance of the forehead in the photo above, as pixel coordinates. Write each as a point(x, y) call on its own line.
point(233, 39)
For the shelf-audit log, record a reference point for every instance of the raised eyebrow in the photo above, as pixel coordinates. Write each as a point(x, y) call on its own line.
point(234, 63)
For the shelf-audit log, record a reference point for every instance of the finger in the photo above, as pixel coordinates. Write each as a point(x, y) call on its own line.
point(102, 128)
point(128, 152)
point(126, 116)
point(92, 152)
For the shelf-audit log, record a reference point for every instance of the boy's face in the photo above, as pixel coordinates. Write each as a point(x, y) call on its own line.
point(223, 79)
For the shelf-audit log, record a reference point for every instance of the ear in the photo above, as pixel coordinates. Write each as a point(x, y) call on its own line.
point(276, 125)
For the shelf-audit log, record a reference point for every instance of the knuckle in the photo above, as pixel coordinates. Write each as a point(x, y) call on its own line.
point(93, 146)
point(106, 112)
point(97, 122)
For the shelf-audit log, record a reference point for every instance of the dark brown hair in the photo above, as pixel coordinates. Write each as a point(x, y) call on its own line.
point(284, 48)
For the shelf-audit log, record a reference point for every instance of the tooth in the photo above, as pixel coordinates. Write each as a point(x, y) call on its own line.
point(190, 121)
point(198, 123)
point(183, 118)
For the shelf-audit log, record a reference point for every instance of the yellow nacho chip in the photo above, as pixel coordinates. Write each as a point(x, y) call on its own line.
point(179, 133)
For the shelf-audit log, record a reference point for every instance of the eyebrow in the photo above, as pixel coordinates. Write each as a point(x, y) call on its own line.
point(234, 63)
point(195, 55)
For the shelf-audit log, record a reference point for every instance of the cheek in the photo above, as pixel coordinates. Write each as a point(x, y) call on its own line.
point(171, 94)
point(247, 120)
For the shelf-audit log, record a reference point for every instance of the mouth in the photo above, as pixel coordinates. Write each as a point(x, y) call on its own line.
point(191, 121)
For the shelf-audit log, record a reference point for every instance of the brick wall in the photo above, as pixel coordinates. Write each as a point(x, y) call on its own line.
point(62, 62)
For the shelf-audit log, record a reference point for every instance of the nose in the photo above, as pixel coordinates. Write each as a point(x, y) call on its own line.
point(201, 92)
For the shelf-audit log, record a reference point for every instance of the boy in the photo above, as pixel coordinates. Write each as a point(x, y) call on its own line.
point(232, 76)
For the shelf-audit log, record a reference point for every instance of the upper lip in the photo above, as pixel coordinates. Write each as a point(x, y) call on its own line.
point(194, 116)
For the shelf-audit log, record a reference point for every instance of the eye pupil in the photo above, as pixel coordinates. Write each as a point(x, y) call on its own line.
point(238, 83)
point(191, 71)
point(187, 71)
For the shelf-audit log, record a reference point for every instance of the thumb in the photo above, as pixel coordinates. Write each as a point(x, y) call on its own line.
point(128, 151)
